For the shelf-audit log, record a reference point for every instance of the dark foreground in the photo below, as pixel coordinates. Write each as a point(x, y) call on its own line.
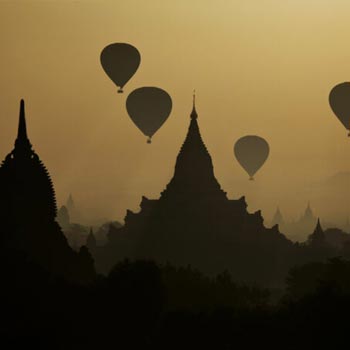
point(140, 305)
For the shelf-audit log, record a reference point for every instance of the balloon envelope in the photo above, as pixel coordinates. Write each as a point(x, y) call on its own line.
point(149, 108)
point(339, 100)
point(251, 152)
point(120, 62)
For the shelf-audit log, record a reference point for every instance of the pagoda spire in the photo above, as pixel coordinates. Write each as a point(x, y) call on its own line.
point(318, 225)
point(22, 127)
point(318, 235)
point(194, 114)
point(22, 141)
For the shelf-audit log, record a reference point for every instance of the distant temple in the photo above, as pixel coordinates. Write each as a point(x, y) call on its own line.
point(308, 218)
point(63, 217)
point(193, 222)
point(70, 203)
point(28, 212)
point(277, 218)
point(300, 229)
point(73, 210)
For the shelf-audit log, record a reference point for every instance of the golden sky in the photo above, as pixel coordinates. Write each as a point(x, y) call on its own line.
point(260, 67)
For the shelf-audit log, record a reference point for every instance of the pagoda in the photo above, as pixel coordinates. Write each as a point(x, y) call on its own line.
point(28, 212)
point(193, 222)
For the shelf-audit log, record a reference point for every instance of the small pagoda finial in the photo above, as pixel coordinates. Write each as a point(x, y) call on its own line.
point(194, 114)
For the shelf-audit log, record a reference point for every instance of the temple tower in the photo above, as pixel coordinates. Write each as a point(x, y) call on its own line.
point(28, 212)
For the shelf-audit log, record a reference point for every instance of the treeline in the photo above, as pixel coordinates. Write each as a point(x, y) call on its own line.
point(143, 305)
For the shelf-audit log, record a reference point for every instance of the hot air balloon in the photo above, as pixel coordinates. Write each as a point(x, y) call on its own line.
point(120, 62)
point(149, 108)
point(251, 152)
point(339, 99)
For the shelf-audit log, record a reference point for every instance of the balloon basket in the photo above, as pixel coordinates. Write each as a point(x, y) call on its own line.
point(120, 91)
point(149, 140)
point(251, 178)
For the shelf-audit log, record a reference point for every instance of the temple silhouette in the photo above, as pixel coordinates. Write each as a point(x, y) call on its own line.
point(52, 296)
point(28, 213)
point(194, 222)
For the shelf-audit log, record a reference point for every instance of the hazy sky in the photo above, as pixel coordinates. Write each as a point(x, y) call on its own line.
point(260, 67)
